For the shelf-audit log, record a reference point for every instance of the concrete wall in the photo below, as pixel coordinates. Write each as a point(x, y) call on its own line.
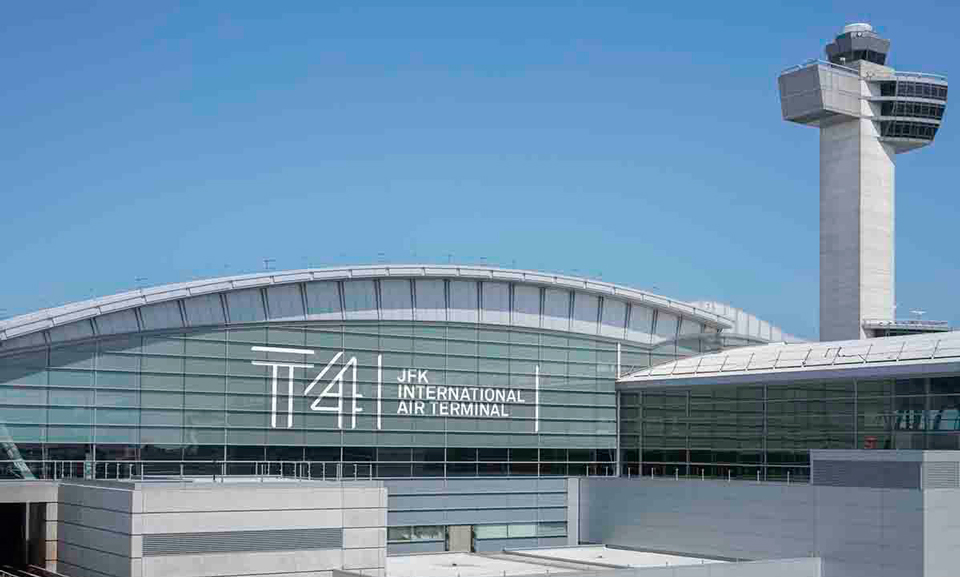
point(856, 224)
point(472, 501)
point(96, 529)
point(731, 520)
point(209, 529)
point(856, 531)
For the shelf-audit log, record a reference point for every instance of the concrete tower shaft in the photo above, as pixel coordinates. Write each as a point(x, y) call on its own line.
point(867, 113)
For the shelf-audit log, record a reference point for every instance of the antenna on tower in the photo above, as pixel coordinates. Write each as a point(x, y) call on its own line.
point(268, 263)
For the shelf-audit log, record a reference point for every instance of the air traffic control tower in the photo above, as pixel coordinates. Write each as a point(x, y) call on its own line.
point(867, 113)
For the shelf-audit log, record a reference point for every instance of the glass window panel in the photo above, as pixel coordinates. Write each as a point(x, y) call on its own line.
point(204, 418)
point(428, 533)
point(490, 531)
point(162, 399)
point(203, 401)
point(118, 416)
point(400, 454)
point(118, 362)
point(117, 380)
point(68, 378)
point(37, 415)
point(74, 357)
point(428, 469)
point(428, 454)
point(164, 418)
point(117, 435)
point(70, 397)
point(118, 398)
point(68, 434)
point(162, 364)
point(522, 530)
point(553, 529)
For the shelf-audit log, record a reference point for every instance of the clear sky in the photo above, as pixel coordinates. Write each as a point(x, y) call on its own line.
point(634, 141)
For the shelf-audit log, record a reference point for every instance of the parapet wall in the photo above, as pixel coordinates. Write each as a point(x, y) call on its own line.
point(174, 529)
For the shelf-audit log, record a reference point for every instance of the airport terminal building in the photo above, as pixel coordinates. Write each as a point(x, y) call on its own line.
point(315, 422)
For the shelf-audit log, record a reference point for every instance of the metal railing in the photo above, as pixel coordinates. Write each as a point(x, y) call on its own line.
point(920, 323)
point(819, 62)
point(928, 75)
point(744, 473)
point(218, 470)
point(55, 469)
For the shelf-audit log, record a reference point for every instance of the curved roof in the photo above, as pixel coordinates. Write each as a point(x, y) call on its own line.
point(396, 292)
point(795, 361)
point(746, 324)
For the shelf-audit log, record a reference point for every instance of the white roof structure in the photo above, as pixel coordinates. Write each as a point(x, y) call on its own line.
point(574, 561)
point(402, 292)
point(464, 565)
point(600, 554)
point(885, 356)
point(746, 324)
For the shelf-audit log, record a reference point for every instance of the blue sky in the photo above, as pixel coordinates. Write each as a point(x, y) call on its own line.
point(641, 144)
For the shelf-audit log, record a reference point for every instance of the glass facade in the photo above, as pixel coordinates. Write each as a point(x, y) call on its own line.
point(381, 399)
point(740, 431)
point(912, 109)
point(913, 89)
point(901, 129)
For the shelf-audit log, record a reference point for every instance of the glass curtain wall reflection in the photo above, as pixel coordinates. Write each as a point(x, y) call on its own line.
point(190, 401)
point(738, 431)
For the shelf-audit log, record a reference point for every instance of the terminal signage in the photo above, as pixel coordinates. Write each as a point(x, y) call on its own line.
point(416, 395)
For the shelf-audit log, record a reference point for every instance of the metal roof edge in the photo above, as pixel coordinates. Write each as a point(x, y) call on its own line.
point(43, 319)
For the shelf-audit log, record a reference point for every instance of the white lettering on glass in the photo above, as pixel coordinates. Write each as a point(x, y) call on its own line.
point(415, 394)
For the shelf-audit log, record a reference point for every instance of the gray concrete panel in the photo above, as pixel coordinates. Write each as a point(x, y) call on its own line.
point(855, 530)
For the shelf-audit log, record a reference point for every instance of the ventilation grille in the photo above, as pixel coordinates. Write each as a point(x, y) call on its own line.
point(941, 475)
point(872, 474)
point(242, 541)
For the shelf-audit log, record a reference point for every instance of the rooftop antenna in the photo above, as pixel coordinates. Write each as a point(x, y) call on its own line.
point(382, 257)
point(919, 313)
point(139, 280)
point(268, 263)
point(449, 258)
